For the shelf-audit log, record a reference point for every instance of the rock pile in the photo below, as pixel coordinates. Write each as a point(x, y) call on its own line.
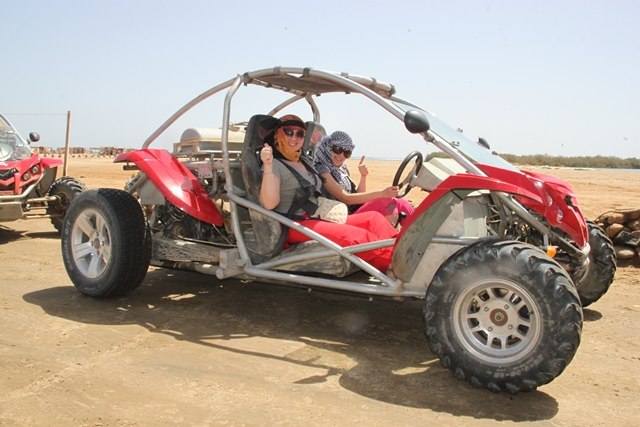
point(623, 228)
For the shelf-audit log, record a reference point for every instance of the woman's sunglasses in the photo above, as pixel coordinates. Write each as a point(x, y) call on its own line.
point(297, 133)
point(338, 150)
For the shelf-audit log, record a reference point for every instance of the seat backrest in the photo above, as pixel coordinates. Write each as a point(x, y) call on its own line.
point(258, 128)
point(262, 234)
point(315, 132)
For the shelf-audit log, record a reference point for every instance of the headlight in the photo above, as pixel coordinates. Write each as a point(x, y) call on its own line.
point(35, 170)
point(26, 176)
point(560, 215)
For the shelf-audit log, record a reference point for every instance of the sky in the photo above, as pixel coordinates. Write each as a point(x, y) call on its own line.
point(558, 77)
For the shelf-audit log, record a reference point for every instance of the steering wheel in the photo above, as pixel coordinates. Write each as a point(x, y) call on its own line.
point(6, 151)
point(411, 175)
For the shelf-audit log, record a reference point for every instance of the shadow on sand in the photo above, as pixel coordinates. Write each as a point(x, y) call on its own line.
point(384, 338)
point(8, 235)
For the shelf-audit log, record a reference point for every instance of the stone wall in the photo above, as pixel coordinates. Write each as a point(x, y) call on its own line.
point(623, 228)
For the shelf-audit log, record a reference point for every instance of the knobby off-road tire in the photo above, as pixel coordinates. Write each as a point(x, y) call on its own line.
point(503, 315)
point(66, 188)
point(106, 243)
point(602, 267)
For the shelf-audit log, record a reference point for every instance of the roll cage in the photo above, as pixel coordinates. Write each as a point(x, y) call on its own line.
point(306, 84)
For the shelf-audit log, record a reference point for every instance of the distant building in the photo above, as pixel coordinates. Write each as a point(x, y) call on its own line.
point(44, 151)
point(105, 151)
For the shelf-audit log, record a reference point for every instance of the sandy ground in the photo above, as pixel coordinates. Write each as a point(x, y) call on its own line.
point(187, 349)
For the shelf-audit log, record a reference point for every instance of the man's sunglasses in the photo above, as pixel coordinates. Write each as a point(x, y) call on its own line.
point(338, 150)
point(297, 133)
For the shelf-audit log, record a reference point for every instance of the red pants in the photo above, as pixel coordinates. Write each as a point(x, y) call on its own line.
point(389, 206)
point(360, 228)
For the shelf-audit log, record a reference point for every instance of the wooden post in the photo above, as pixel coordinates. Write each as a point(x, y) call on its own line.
point(66, 144)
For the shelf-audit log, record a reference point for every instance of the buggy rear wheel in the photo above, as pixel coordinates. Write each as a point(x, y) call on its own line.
point(503, 316)
point(106, 243)
point(602, 267)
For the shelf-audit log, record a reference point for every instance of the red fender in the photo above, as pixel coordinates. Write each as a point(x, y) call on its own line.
point(432, 211)
point(468, 182)
point(176, 183)
point(50, 162)
point(451, 184)
point(559, 203)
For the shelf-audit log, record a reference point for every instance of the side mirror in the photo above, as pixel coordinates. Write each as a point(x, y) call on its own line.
point(484, 143)
point(34, 137)
point(416, 122)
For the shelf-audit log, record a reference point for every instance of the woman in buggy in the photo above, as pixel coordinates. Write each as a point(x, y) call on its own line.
point(330, 162)
point(281, 159)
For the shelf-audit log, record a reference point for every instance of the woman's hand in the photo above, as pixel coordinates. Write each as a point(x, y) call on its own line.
point(266, 155)
point(270, 188)
point(362, 167)
point(390, 191)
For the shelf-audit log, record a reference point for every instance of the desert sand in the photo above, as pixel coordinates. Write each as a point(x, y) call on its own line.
point(187, 349)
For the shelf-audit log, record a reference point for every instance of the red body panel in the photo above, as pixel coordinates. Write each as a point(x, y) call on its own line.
point(469, 182)
point(558, 203)
point(50, 162)
point(543, 194)
point(176, 183)
point(22, 166)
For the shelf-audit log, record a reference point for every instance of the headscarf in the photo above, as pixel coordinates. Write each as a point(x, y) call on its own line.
point(280, 139)
point(323, 162)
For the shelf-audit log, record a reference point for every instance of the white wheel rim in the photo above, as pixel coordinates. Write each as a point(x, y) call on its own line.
point(498, 321)
point(91, 243)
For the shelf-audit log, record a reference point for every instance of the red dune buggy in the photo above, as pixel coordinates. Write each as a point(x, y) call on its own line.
point(501, 257)
point(28, 184)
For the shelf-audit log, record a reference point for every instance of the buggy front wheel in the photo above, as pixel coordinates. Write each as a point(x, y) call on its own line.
point(65, 189)
point(503, 316)
point(106, 244)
